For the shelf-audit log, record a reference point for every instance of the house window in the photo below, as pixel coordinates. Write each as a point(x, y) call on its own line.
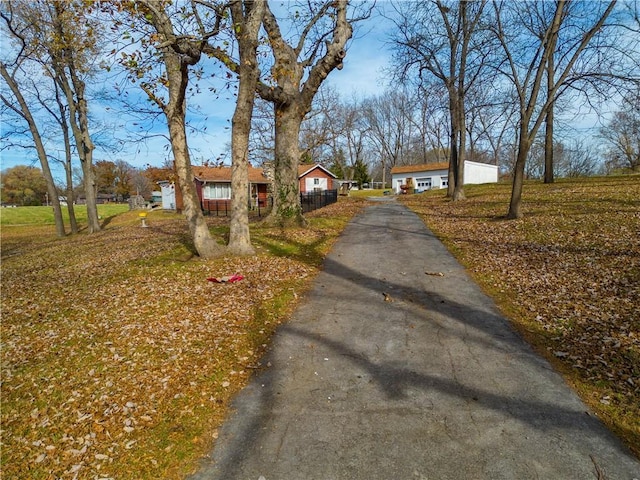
point(444, 182)
point(424, 183)
point(316, 181)
point(217, 191)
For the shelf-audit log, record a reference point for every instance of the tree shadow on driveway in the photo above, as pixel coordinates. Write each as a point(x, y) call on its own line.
point(479, 365)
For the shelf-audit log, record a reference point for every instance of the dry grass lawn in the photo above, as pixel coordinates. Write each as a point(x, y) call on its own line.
point(567, 274)
point(119, 357)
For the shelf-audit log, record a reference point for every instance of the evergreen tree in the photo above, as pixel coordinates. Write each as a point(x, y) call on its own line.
point(360, 172)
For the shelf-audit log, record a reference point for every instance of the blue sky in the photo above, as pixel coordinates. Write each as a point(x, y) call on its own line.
point(361, 75)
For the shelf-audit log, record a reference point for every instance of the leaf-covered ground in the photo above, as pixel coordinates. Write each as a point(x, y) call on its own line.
point(119, 357)
point(567, 274)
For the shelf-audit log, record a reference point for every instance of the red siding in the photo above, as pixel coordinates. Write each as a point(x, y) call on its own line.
point(316, 173)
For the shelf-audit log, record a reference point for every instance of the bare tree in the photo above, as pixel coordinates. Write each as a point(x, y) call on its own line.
point(61, 117)
point(292, 98)
point(622, 135)
point(70, 51)
point(57, 109)
point(322, 127)
point(22, 108)
point(550, 68)
point(576, 159)
point(24, 22)
point(35, 86)
point(351, 136)
point(439, 40)
point(431, 121)
point(526, 62)
point(607, 66)
point(262, 136)
point(179, 52)
point(389, 120)
point(490, 124)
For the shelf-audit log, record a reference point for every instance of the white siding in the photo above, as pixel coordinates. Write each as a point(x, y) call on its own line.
point(315, 182)
point(168, 196)
point(434, 176)
point(474, 172)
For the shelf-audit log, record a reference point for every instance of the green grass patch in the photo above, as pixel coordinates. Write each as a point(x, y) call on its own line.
point(44, 215)
point(368, 193)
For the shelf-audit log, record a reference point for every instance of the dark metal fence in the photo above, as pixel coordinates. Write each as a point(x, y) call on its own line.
point(222, 208)
point(219, 208)
point(314, 200)
point(309, 201)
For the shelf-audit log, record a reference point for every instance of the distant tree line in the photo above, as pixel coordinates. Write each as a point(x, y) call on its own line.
point(26, 185)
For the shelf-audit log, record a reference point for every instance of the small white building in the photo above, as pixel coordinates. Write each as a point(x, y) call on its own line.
point(168, 195)
point(436, 175)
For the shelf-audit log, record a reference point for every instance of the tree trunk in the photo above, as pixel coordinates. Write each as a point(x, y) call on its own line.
point(286, 191)
point(453, 160)
point(548, 147)
point(79, 121)
point(204, 244)
point(25, 112)
point(202, 240)
point(455, 188)
point(89, 181)
point(453, 147)
point(548, 134)
point(239, 236)
point(73, 223)
point(515, 203)
point(248, 73)
point(458, 192)
point(51, 189)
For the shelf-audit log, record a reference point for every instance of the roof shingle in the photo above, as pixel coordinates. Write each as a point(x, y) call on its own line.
point(423, 167)
point(223, 174)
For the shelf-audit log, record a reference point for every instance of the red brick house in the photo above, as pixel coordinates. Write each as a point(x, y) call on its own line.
point(314, 178)
point(213, 186)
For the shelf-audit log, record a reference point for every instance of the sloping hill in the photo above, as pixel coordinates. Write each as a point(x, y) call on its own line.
point(567, 274)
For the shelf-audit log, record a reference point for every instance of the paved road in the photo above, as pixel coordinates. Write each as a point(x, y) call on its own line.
point(386, 372)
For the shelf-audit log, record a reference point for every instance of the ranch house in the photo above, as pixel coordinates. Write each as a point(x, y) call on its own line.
point(436, 175)
point(213, 186)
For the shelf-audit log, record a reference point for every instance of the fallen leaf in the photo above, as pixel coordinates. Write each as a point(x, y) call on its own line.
point(435, 274)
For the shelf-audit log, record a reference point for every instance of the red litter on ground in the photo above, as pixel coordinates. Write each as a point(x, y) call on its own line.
point(226, 279)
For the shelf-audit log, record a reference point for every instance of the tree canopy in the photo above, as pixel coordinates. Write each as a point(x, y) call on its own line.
point(23, 185)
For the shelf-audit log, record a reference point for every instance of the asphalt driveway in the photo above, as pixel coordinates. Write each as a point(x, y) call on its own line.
point(397, 366)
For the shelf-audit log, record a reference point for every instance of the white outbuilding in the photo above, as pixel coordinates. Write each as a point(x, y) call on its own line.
point(168, 191)
point(427, 176)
